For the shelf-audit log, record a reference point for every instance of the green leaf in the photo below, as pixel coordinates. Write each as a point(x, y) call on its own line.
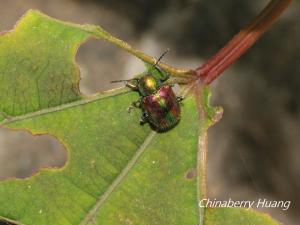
point(117, 172)
point(229, 216)
point(37, 72)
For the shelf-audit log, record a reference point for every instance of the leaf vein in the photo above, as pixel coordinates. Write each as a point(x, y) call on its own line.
point(118, 180)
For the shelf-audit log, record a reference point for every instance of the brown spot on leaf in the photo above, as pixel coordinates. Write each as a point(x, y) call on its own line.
point(191, 174)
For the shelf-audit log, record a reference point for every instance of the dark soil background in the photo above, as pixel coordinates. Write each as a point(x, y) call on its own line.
point(254, 151)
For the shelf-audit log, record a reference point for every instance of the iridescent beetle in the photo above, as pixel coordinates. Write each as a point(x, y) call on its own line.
point(159, 104)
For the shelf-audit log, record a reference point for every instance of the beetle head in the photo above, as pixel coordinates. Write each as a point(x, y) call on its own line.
point(148, 85)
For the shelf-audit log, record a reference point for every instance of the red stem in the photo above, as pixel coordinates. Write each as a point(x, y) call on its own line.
point(241, 42)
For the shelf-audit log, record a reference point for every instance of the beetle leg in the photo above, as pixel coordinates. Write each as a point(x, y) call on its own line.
point(130, 108)
point(136, 104)
point(144, 119)
point(180, 98)
point(131, 85)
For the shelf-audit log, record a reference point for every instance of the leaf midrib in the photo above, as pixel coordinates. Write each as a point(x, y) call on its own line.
point(119, 179)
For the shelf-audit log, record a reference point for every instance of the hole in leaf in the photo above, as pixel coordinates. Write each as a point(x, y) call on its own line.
point(3, 222)
point(101, 62)
point(23, 154)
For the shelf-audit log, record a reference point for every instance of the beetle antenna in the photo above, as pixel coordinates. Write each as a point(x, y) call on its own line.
point(162, 55)
point(117, 81)
point(156, 63)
